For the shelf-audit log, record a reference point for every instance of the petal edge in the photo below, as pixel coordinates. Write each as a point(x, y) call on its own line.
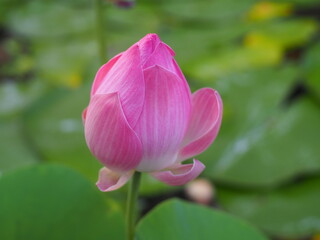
point(109, 136)
point(110, 181)
point(163, 122)
point(180, 174)
point(126, 78)
point(205, 123)
point(102, 72)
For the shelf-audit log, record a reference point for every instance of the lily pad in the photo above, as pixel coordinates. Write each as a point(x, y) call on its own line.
point(39, 19)
point(301, 3)
point(284, 146)
point(249, 99)
point(311, 68)
point(14, 149)
point(235, 59)
point(210, 42)
point(54, 126)
point(180, 220)
point(285, 34)
point(15, 97)
point(220, 11)
point(290, 212)
point(263, 46)
point(53, 202)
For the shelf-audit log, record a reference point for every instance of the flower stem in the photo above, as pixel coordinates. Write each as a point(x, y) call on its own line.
point(99, 22)
point(131, 205)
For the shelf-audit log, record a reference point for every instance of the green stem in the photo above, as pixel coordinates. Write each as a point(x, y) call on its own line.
point(131, 205)
point(100, 30)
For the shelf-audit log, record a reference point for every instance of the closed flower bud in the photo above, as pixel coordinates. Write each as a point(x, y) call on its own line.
point(143, 117)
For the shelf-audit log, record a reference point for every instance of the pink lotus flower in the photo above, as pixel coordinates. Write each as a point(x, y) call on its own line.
point(143, 117)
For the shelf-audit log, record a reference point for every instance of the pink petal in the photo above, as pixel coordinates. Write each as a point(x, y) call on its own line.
point(164, 119)
point(170, 49)
point(108, 134)
point(147, 46)
point(102, 72)
point(162, 57)
point(180, 174)
point(204, 124)
point(126, 78)
point(110, 180)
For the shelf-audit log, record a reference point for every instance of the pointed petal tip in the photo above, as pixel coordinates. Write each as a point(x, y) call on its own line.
point(102, 73)
point(110, 180)
point(180, 174)
point(217, 97)
point(162, 56)
point(147, 45)
point(152, 37)
point(207, 90)
point(126, 78)
point(155, 38)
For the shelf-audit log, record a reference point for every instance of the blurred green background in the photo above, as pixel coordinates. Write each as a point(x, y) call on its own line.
point(262, 56)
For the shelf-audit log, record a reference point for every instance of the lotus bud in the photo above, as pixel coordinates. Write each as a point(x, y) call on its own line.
point(143, 117)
